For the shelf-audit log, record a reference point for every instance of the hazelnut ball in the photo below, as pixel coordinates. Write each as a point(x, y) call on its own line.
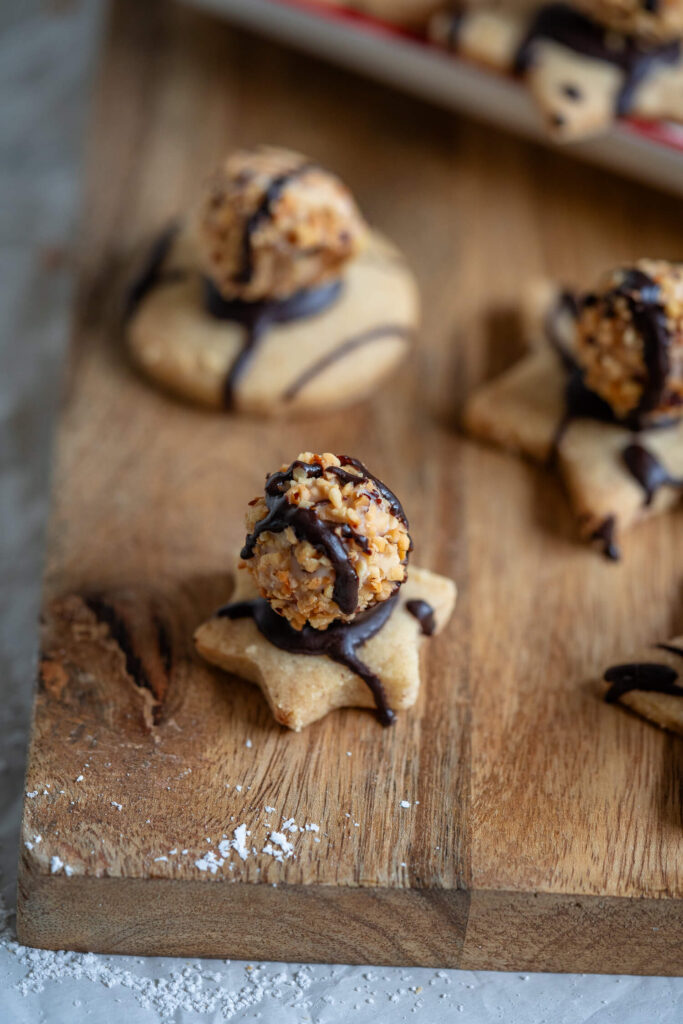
point(326, 542)
point(656, 22)
point(630, 341)
point(272, 223)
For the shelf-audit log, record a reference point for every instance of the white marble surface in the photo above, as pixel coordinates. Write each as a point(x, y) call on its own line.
point(46, 56)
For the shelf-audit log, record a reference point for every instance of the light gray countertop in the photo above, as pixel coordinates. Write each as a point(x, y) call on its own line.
point(46, 57)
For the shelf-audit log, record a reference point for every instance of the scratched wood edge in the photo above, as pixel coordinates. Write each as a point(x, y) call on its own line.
point(390, 927)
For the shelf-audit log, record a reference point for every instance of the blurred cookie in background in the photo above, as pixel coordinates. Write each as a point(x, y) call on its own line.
point(582, 73)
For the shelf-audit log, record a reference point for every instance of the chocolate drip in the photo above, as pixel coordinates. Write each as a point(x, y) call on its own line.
point(605, 534)
point(424, 613)
point(257, 317)
point(340, 641)
point(151, 274)
point(646, 676)
point(560, 23)
point(261, 213)
point(362, 541)
point(392, 501)
point(648, 470)
point(343, 349)
point(649, 320)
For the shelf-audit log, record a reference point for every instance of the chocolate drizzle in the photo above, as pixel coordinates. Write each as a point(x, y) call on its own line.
point(649, 320)
point(605, 534)
point(340, 641)
point(648, 470)
point(151, 274)
point(257, 317)
point(343, 349)
point(649, 677)
point(560, 23)
point(395, 506)
point(424, 613)
point(263, 211)
point(322, 534)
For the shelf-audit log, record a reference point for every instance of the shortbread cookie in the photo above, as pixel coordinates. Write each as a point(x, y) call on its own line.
point(651, 684)
point(614, 474)
point(581, 73)
point(324, 614)
point(302, 688)
point(274, 298)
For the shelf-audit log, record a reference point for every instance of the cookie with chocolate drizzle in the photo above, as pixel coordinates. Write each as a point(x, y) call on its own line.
point(325, 613)
point(273, 297)
point(582, 72)
point(651, 684)
point(599, 397)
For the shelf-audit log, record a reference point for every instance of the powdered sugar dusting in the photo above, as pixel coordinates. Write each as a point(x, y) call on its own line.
point(239, 842)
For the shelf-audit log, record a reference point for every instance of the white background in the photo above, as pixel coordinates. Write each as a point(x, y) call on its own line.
point(47, 53)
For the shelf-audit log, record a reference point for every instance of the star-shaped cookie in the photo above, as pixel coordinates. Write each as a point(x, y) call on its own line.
point(613, 477)
point(651, 684)
point(302, 688)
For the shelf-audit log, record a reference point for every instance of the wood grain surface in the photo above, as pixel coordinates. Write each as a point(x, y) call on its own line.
point(548, 829)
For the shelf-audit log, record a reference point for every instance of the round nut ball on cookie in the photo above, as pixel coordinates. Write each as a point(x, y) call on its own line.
point(629, 341)
point(273, 298)
point(326, 542)
point(272, 223)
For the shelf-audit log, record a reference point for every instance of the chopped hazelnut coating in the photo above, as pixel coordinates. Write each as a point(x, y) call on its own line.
point(271, 223)
point(338, 542)
point(654, 22)
point(630, 341)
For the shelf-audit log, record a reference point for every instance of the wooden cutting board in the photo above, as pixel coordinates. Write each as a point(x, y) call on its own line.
point(544, 827)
